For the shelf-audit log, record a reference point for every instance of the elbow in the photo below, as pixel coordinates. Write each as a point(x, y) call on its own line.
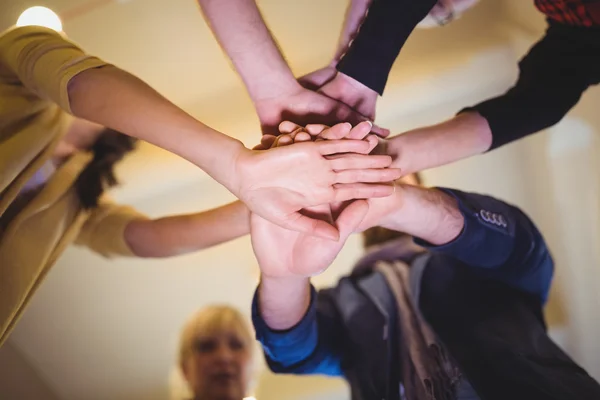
point(144, 241)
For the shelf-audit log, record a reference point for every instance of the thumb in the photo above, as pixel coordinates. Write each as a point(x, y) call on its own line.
point(351, 217)
point(310, 226)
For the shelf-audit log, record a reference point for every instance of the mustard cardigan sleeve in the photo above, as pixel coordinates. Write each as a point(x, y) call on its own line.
point(104, 230)
point(44, 61)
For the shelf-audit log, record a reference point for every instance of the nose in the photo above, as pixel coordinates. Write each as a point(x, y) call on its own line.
point(225, 353)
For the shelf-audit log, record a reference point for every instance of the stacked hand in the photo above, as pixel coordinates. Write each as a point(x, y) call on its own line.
point(335, 102)
point(279, 183)
point(342, 88)
point(281, 252)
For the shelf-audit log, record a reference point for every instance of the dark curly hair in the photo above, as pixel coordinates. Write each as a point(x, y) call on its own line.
point(110, 147)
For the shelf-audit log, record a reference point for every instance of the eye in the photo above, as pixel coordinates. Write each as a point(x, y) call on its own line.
point(205, 346)
point(236, 344)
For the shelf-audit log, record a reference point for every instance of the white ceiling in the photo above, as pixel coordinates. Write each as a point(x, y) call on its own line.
point(106, 330)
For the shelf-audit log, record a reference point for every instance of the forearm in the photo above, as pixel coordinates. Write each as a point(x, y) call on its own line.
point(244, 36)
point(463, 136)
point(119, 100)
point(355, 15)
point(382, 35)
point(427, 214)
point(171, 236)
point(283, 302)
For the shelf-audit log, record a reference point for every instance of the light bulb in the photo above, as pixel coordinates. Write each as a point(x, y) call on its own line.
point(40, 16)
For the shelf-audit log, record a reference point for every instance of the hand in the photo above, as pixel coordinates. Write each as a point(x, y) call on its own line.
point(316, 79)
point(283, 253)
point(304, 106)
point(379, 208)
point(278, 183)
point(351, 92)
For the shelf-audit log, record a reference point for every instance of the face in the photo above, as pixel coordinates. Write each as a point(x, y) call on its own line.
point(218, 367)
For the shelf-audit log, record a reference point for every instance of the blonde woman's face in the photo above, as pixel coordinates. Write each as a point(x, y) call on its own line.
point(218, 366)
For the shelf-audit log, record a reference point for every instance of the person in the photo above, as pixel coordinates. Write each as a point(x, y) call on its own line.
point(553, 75)
point(276, 94)
point(454, 314)
point(215, 354)
point(55, 168)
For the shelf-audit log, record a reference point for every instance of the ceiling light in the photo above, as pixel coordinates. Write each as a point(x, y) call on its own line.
point(40, 16)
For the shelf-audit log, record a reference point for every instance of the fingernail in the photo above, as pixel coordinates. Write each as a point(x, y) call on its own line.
point(370, 123)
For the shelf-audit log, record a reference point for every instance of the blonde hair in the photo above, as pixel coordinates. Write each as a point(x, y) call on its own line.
point(210, 320)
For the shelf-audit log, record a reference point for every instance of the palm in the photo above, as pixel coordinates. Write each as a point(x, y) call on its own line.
point(282, 253)
point(278, 183)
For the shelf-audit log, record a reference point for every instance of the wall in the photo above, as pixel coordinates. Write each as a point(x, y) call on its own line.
point(18, 379)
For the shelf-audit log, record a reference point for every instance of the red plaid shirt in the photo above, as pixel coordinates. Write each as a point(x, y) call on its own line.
point(571, 12)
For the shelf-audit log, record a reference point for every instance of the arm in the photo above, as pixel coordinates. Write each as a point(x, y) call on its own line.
point(277, 96)
point(54, 68)
point(496, 239)
point(553, 76)
point(382, 35)
point(373, 34)
point(116, 230)
point(242, 33)
point(297, 327)
point(176, 235)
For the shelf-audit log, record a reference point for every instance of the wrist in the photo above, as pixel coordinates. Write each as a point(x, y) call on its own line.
point(283, 301)
point(349, 83)
point(428, 214)
point(218, 155)
point(465, 135)
point(275, 85)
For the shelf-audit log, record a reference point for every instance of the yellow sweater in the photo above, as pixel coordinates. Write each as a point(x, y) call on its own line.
point(36, 65)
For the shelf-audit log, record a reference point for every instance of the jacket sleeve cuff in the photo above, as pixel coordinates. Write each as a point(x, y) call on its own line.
point(291, 345)
point(487, 236)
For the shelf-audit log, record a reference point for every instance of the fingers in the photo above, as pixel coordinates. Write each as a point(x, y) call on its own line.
point(379, 131)
point(329, 147)
point(351, 217)
point(368, 175)
point(302, 137)
point(266, 142)
point(340, 162)
point(373, 141)
point(315, 227)
point(349, 191)
point(315, 129)
point(288, 127)
point(336, 132)
point(283, 140)
point(360, 131)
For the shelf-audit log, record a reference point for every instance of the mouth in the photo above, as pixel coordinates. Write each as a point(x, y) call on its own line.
point(224, 378)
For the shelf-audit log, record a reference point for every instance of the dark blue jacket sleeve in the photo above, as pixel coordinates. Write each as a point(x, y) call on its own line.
point(500, 242)
point(310, 347)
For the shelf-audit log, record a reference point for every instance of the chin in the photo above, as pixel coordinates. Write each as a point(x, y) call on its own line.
point(229, 393)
